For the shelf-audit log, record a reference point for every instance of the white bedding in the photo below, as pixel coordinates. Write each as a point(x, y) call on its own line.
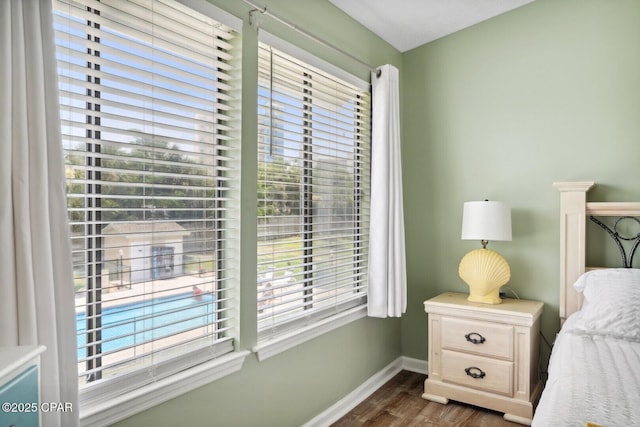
point(592, 378)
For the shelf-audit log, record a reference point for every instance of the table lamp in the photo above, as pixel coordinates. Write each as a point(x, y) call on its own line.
point(485, 270)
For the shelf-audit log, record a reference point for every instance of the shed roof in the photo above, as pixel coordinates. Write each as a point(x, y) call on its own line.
point(144, 227)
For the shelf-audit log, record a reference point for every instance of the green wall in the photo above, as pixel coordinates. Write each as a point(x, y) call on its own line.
point(547, 92)
point(291, 388)
point(285, 390)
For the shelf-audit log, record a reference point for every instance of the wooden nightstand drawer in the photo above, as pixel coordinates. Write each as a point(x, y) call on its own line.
point(495, 376)
point(486, 339)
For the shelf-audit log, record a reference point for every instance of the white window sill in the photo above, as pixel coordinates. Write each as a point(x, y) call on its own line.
point(121, 407)
point(273, 346)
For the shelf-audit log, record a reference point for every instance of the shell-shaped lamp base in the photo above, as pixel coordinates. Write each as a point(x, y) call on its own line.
point(485, 271)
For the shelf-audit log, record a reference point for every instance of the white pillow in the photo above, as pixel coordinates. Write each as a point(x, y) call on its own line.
point(612, 303)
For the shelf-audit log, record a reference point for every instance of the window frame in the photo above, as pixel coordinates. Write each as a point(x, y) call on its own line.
point(105, 403)
point(269, 345)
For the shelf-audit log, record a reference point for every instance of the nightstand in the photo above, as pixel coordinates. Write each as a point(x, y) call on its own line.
point(20, 385)
point(484, 354)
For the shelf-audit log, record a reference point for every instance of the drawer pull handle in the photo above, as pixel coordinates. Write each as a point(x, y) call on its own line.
point(475, 372)
point(471, 337)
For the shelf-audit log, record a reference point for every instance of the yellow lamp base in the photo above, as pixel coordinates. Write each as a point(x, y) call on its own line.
point(492, 297)
point(485, 271)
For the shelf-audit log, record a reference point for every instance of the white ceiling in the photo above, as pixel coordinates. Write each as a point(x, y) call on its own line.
point(406, 24)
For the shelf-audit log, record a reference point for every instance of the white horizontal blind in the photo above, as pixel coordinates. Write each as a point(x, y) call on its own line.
point(313, 193)
point(147, 105)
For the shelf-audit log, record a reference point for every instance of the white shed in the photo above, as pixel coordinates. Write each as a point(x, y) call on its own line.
point(144, 250)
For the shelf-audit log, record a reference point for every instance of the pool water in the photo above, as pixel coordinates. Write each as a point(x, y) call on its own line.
point(138, 323)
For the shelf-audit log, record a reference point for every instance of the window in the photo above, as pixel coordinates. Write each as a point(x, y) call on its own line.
point(313, 193)
point(148, 93)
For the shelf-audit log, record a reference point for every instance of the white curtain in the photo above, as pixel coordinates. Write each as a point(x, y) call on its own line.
point(36, 280)
point(387, 293)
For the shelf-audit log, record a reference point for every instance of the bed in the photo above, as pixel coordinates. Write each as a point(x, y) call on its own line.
point(594, 368)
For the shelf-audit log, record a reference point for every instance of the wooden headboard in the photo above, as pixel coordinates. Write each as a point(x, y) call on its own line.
point(574, 210)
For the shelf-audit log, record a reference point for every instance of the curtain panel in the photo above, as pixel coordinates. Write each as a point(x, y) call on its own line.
point(387, 265)
point(36, 280)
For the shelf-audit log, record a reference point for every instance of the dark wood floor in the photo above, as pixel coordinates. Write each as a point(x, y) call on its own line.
point(399, 403)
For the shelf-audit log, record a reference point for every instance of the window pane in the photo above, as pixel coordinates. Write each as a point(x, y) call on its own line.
point(145, 108)
point(313, 169)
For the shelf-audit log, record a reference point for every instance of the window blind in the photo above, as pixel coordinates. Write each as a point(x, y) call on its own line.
point(148, 102)
point(313, 193)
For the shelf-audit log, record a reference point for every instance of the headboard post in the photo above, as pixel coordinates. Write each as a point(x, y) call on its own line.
point(573, 199)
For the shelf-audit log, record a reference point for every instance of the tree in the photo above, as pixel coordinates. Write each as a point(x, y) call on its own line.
point(146, 179)
point(279, 188)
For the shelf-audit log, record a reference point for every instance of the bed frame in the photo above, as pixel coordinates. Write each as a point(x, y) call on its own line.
point(574, 210)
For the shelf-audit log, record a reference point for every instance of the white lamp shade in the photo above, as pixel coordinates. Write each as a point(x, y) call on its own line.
point(486, 220)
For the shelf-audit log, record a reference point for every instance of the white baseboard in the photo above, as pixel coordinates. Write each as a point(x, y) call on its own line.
point(353, 399)
point(415, 365)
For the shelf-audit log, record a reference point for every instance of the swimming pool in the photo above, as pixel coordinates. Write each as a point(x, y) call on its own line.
point(128, 325)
